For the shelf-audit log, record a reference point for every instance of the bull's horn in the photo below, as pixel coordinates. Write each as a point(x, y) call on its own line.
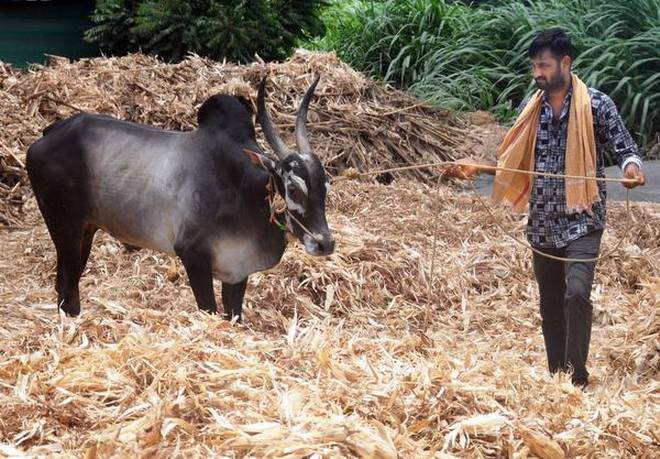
point(266, 124)
point(301, 129)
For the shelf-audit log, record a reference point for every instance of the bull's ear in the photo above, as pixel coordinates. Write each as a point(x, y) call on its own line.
point(260, 160)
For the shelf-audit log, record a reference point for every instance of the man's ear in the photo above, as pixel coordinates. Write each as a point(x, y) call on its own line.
point(260, 160)
point(566, 62)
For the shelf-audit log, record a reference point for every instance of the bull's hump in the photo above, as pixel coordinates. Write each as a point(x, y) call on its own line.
point(226, 114)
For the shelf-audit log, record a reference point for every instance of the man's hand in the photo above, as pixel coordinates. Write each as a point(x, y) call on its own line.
point(466, 169)
point(632, 172)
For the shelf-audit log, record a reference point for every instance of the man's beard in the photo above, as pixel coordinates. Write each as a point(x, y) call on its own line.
point(555, 82)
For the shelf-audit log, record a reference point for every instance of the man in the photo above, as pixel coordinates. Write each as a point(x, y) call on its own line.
point(563, 128)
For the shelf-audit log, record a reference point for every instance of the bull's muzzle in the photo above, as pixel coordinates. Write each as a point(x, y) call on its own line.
point(319, 245)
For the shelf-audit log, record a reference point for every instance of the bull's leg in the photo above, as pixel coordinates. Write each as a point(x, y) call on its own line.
point(232, 299)
point(66, 231)
point(58, 182)
point(68, 247)
point(58, 277)
point(200, 274)
point(86, 246)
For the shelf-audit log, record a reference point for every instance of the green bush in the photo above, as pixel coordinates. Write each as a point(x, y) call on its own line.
point(114, 19)
point(235, 30)
point(470, 56)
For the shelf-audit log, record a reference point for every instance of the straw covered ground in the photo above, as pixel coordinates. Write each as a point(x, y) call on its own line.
point(419, 337)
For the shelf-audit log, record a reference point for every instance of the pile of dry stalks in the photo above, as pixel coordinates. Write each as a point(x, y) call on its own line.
point(366, 353)
point(353, 122)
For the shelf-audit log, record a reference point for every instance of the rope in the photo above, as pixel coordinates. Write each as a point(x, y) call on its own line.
point(547, 255)
point(353, 174)
point(316, 237)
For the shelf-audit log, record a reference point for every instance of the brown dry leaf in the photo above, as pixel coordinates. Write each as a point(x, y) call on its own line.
point(541, 445)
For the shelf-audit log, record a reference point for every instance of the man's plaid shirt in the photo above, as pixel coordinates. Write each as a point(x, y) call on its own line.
point(549, 224)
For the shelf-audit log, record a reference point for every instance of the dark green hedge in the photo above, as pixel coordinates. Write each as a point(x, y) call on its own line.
point(230, 29)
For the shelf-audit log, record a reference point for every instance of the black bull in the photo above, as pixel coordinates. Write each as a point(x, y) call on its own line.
point(202, 195)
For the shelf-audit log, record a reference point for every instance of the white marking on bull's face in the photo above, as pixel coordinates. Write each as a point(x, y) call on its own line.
point(295, 192)
point(292, 206)
point(298, 182)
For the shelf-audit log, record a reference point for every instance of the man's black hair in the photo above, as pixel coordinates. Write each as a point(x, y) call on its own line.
point(554, 40)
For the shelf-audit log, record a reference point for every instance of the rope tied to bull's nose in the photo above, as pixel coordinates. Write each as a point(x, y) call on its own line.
point(353, 174)
point(314, 236)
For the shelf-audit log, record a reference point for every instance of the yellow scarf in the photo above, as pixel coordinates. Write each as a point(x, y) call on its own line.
point(519, 144)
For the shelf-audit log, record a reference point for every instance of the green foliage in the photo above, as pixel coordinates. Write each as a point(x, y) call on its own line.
point(473, 55)
point(114, 19)
point(235, 30)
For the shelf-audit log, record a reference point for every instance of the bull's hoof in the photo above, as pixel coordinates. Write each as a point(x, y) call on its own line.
point(230, 317)
point(70, 310)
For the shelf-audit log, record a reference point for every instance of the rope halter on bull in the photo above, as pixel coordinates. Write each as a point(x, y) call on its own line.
point(278, 209)
point(352, 174)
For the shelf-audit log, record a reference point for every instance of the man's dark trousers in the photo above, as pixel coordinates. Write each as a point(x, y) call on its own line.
point(565, 290)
